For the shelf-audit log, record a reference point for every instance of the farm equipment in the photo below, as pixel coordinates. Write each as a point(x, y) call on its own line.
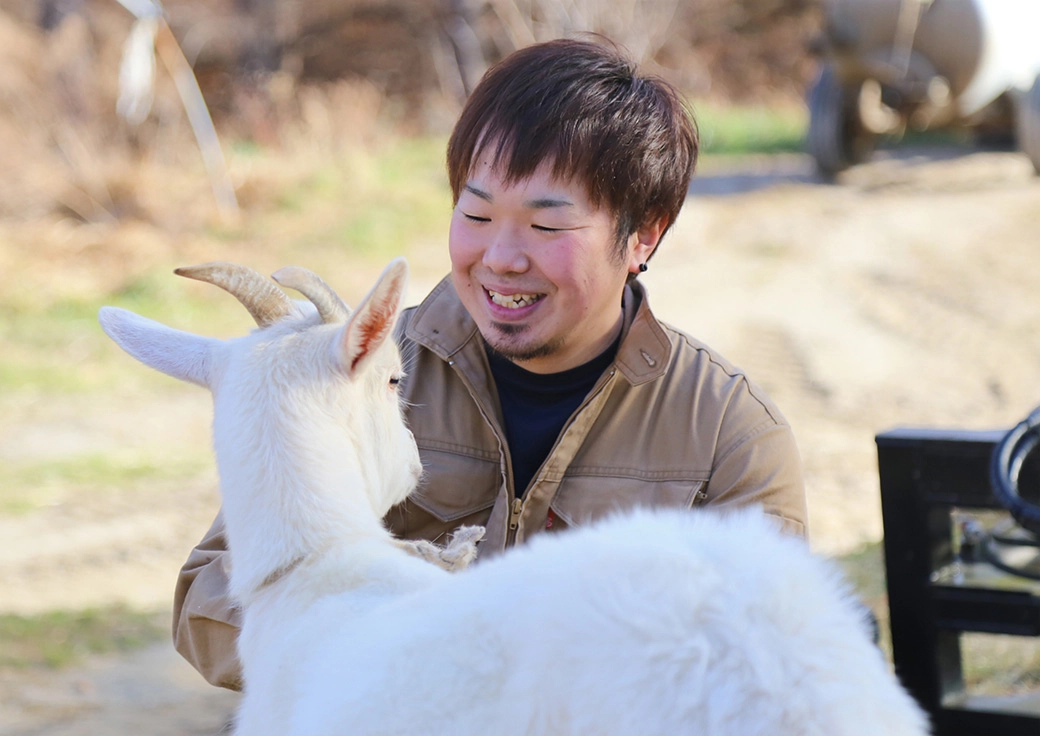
point(888, 66)
point(961, 513)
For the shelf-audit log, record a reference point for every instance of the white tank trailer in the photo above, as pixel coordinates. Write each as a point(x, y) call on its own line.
point(888, 66)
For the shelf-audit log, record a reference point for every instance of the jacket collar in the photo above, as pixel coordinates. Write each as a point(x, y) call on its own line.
point(442, 324)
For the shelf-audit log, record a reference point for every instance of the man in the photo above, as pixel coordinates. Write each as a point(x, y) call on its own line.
point(542, 392)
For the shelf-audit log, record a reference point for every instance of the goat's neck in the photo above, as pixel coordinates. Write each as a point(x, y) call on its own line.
point(288, 495)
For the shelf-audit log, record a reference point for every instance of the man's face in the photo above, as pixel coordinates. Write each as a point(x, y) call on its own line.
point(538, 268)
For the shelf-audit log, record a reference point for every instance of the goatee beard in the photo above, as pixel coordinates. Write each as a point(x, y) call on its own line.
point(519, 353)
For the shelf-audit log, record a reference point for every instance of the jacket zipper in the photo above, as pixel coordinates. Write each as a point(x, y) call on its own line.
point(516, 508)
point(514, 514)
point(517, 505)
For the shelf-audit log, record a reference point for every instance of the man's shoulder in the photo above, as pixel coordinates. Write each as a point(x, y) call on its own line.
point(697, 366)
point(692, 354)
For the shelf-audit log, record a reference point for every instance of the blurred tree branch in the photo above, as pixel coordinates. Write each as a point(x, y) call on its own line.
point(641, 26)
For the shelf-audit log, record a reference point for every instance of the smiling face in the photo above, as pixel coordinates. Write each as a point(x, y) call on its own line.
point(539, 268)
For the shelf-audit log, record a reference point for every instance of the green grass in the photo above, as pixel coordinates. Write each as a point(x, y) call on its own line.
point(59, 348)
point(372, 204)
point(30, 485)
point(363, 205)
point(330, 212)
point(737, 129)
point(992, 664)
point(865, 570)
point(62, 638)
point(927, 138)
point(730, 130)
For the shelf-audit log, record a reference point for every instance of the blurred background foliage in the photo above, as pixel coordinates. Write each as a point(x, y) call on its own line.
point(335, 74)
point(332, 117)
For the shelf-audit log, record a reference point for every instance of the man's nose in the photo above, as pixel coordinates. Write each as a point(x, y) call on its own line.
point(506, 251)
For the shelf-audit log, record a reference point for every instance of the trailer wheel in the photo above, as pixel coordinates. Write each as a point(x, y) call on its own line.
point(1029, 124)
point(836, 137)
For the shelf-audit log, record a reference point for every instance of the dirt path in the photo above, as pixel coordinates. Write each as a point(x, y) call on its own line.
point(151, 691)
point(906, 294)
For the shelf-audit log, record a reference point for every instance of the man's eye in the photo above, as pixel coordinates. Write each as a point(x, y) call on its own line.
point(543, 229)
point(475, 218)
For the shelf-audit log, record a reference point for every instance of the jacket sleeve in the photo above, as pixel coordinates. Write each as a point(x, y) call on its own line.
point(763, 468)
point(205, 621)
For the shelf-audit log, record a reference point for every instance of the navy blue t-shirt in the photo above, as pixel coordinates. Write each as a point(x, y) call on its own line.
point(535, 406)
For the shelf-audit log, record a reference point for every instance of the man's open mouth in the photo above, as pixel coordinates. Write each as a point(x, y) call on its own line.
point(513, 301)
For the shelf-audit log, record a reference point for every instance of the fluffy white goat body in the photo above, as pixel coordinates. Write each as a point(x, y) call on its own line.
point(657, 622)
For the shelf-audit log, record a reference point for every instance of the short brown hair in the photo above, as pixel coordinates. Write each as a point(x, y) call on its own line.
point(582, 105)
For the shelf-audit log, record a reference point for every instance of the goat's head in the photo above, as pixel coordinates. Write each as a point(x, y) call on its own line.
point(311, 391)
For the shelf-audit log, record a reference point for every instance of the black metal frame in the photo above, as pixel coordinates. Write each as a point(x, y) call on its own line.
point(925, 474)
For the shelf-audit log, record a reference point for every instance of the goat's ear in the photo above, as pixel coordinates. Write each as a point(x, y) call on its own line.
point(372, 323)
point(178, 354)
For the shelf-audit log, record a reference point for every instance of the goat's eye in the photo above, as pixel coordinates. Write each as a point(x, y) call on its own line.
point(394, 381)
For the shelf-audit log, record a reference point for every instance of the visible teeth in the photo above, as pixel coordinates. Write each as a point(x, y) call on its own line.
point(512, 301)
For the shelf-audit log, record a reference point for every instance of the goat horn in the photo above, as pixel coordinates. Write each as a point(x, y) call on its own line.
point(265, 301)
point(330, 307)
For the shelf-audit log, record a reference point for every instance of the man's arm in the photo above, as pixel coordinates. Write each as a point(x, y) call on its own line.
point(205, 621)
point(763, 468)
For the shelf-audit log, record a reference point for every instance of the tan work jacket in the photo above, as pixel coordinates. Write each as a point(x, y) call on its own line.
point(670, 423)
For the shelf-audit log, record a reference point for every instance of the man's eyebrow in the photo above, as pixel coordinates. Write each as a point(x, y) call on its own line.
point(540, 203)
point(477, 192)
point(547, 202)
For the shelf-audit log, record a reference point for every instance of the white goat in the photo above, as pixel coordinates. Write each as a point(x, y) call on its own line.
point(650, 623)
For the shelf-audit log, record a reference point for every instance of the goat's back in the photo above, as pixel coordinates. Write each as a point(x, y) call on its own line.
point(656, 622)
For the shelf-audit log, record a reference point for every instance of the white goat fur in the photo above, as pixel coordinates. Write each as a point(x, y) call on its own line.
point(656, 622)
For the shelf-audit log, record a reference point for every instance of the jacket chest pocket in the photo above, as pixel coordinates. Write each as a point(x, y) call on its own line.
point(457, 488)
point(583, 499)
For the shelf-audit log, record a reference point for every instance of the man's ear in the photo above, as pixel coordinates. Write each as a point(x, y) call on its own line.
point(643, 242)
